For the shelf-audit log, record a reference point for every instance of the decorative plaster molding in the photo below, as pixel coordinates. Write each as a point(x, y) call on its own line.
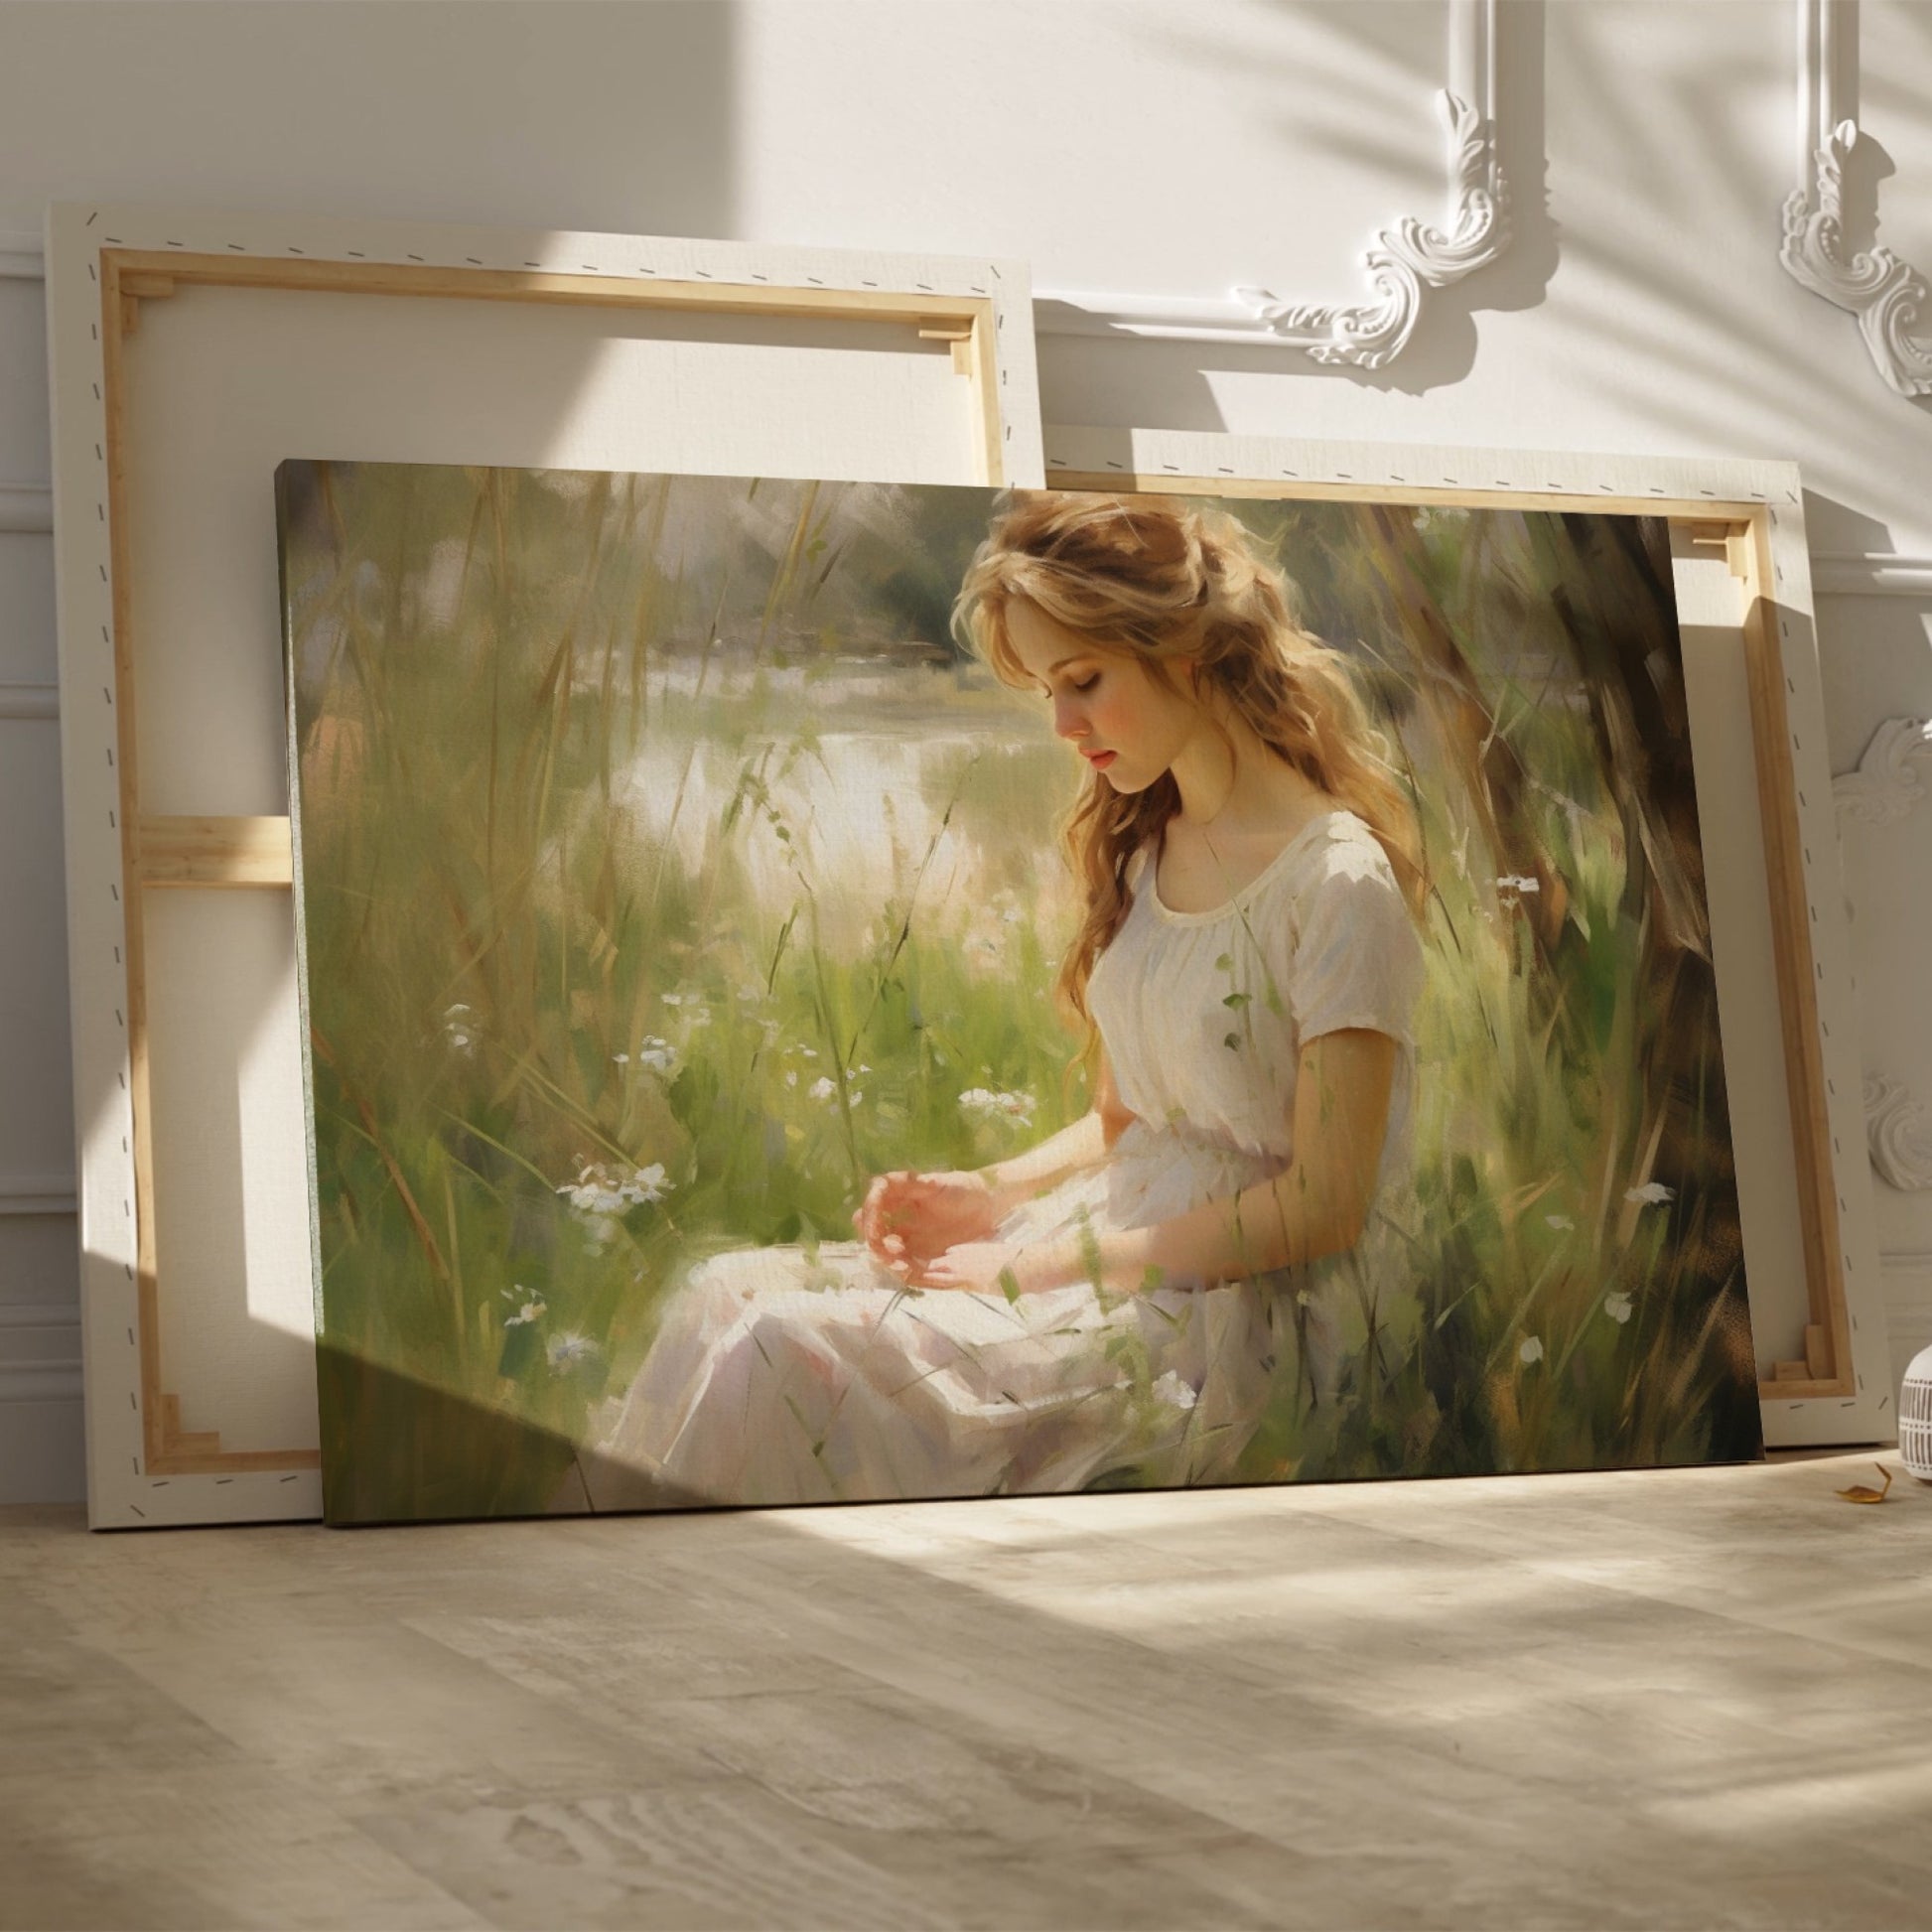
point(1886, 784)
point(30, 701)
point(25, 508)
point(1870, 572)
point(41, 1381)
point(1899, 1132)
point(39, 1351)
point(1889, 296)
point(1883, 790)
point(37, 1193)
point(40, 1314)
point(21, 257)
point(1404, 262)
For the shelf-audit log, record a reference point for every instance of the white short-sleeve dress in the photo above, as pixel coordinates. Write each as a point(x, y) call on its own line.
point(784, 1376)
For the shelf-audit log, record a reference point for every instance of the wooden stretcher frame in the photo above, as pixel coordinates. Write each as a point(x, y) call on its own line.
point(1837, 1390)
point(145, 1467)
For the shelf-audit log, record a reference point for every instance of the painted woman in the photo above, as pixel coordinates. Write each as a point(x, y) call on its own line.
point(1127, 1301)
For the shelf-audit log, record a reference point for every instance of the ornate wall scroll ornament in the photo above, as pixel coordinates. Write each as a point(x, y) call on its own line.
point(1899, 1132)
point(1886, 784)
point(1404, 262)
point(1889, 296)
point(1407, 259)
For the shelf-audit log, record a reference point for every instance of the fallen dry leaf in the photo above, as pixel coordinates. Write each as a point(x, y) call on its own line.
point(1860, 1492)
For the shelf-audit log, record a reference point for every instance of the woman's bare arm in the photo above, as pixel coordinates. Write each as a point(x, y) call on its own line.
point(1318, 1206)
point(1082, 1145)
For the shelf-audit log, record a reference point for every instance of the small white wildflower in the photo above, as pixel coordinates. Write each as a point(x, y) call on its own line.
point(564, 1353)
point(1653, 1193)
point(602, 1195)
point(823, 1089)
point(647, 1184)
point(810, 1052)
point(857, 1096)
point(986, 1102)
point(1509, 884)
point(531, 1311)
point(657, 1054)
point(1618, 1307)
point(1558, 1221)
point(674, 999)
point(791, 1077)
point(620, 1059)
point(1531, 1350)
point(1174, 1391)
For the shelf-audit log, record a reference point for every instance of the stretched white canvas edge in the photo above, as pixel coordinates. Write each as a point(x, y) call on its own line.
point(120, 1495)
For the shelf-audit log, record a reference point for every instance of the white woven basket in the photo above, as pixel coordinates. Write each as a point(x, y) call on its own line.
point(1915, 1416)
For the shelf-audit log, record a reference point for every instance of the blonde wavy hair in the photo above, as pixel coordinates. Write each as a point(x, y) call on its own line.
point(1166, 583)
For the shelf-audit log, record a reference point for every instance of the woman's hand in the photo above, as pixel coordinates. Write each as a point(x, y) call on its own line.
point(982, 1267)
point(909, 1219)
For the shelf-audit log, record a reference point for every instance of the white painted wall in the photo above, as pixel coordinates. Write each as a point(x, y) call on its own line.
point(1124, 145)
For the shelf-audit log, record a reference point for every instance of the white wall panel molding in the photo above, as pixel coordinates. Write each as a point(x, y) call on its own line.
point(1870, 572)
point(1908, 1273)
point(1405, 262)
point(1888, 295)
point(26, 507)
point(21, 257)
point(1886, 784)
point(37, 1193)
point(1898, 1129)
point(1885, 789)
point(1908, 1303)
point(29, 701)
point(39, 1351)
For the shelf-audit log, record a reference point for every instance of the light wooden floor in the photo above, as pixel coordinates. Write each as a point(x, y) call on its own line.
point(1688, 1699)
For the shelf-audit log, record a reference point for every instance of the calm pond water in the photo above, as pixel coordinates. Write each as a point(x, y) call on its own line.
point(886, 781)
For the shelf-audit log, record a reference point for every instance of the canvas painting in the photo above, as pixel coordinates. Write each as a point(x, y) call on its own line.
point(829, 992)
